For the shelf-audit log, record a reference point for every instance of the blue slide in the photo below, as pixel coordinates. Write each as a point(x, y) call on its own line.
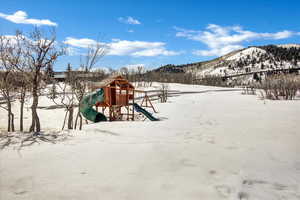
point(138, 108)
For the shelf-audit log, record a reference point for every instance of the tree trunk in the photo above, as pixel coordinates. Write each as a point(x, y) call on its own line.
point(21, 116)
point(65, 120)
point(35, 123)
point(9, 115)
point(22, 101)
point(12, 122)
point(80, 122)
point(70, 119)
point(76, 119)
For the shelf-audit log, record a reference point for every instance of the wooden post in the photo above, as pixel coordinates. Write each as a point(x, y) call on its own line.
point(127, 101)
point(132, 105)
point(146, 97)
point(110, 114)
point(143, 99)
point(151, 104)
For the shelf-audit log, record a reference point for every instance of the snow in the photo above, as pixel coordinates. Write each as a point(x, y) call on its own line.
point(213, 144)
point(51, 117)
point(289, 45)
point(228, 65)
point(214, 71)
point(220, 68)
point(251, 51)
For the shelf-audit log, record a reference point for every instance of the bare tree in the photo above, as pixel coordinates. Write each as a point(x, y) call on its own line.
point(280, 86)
point(39, 51)
point(7, 76)
point(6, 89)
point(164, 92)
point(14, 62)
point(140, 72)
point(66, 96)
point(23, 86)
point(94, 54)
point(125, 72)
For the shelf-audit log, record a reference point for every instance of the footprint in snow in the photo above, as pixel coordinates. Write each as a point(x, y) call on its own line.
point(223, 190)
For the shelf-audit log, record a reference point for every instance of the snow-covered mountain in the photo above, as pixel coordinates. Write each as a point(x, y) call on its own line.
point(251, 59)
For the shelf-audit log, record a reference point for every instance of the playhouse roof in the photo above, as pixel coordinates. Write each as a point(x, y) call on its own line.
point(117, 79)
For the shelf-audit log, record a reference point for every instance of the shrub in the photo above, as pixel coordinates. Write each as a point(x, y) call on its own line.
point(281, 86)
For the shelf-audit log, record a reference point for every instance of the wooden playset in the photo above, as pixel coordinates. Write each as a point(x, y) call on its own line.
point(119, 93)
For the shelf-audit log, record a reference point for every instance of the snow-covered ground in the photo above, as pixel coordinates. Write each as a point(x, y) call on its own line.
point(209, 145)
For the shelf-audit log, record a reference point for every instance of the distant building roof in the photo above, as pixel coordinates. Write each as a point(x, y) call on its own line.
point(119, 80)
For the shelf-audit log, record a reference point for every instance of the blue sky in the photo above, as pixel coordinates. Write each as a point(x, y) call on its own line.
point(154, 32)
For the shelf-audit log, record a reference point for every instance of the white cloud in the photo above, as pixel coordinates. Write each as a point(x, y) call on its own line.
point(82, 43)
point(156, 52)
point(217, 51)
point(21, 17)
point(20, 39)
point(126, 47)
point(119, 47)
point(281, 35)
point(17, 40)
point(224, 39)
point(129, 20)
point(72, 51)
point(9, 39)
point(130, 31)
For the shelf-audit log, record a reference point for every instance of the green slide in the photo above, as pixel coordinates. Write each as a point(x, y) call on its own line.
point(87, 103)
point(138, 108)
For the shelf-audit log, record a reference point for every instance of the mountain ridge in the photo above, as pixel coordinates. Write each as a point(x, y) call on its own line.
point(243, 60)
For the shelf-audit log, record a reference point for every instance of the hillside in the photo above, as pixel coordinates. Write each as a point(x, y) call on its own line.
point(253, 58)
